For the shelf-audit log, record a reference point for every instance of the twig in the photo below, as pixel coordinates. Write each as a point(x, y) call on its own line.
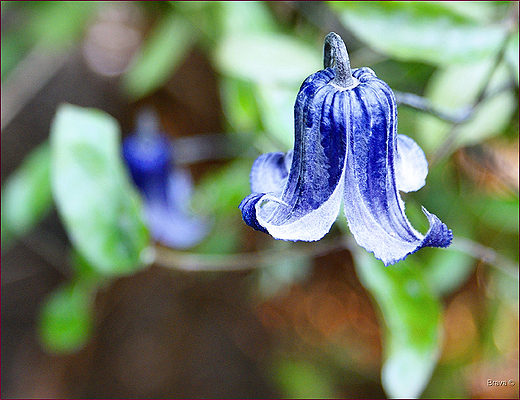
point(486, 255)
point(28, 78)
point(445, 147)
point(423, 104)
point(196, 262)
point(456, 118)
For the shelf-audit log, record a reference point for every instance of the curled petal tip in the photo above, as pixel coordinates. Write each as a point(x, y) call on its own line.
point(438, 235)
point(248, 208)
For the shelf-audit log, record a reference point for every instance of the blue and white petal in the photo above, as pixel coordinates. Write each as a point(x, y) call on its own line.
point(270, 171)
point(373, 206)
point(311, 197)
point(166, 189)
point(168, 217)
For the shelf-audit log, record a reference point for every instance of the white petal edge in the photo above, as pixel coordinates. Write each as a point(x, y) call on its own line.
point(312, 226)
point(411, 167)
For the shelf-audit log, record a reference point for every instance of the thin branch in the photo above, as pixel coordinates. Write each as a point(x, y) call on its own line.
point(30, 75)
point(486, 255)
point(456, 117)
point(484, 93)
point(196, 262)
point(424, 104)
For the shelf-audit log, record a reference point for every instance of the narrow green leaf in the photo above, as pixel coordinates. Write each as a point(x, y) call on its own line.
point(512, 55)
point(66, 319)
point(161, 54)
point(431, 32)
point(100, 208)
point(26, 196)
point(412, 317)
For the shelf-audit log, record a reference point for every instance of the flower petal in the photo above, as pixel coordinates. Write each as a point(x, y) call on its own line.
point(270, 171)
point(310, 200)
point(169, 219)
point(373, 206)
point(149, 163)
point(166, 190)
point(411, 167)
point(248, 208)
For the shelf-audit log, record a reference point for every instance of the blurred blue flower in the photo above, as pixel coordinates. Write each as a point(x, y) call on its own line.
point(346, 148)
point(166, 189)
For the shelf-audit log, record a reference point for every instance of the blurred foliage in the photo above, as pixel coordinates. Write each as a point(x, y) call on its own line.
point(162, 54)
point(461, 57)
point(26, 197)
point(412, 315)
point(98, 205)
point(439, 33)
point(66, 320)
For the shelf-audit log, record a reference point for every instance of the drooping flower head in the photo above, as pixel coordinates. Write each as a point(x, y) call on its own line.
point(346, 149)
point(166, 188)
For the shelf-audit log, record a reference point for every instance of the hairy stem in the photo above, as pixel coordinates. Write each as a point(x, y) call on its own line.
point(335, 56)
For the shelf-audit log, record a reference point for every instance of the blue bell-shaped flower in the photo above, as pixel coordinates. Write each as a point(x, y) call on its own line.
point(346, 149)
point(166, 189)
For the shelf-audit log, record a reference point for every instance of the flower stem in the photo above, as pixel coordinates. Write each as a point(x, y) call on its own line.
point(335, 56)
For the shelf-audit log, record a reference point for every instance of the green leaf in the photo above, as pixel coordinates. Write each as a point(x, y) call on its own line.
point(222, 191)
point(499, 213)
point(162, 53)
point(57, 23)
point(412, 316)
point(240, 17)
point(481, 11)
point(66, 319)
point(204, 16)
point(100, 208)
point(267, 58)
point(85, 273)
point(26, 196)
point(218, 194)
point(14, 48)
point(432, 32)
